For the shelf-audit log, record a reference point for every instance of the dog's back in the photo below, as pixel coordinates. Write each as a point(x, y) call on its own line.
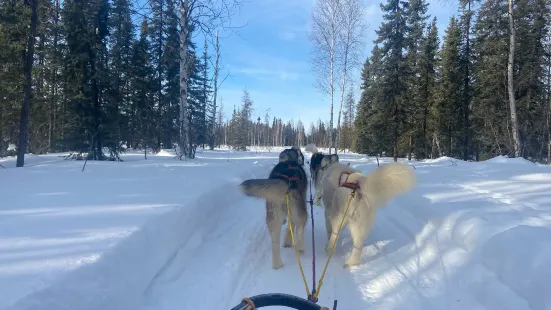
point(288, 175)
point(291, 172)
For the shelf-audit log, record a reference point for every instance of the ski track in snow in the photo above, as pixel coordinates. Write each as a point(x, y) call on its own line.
point(465, 238)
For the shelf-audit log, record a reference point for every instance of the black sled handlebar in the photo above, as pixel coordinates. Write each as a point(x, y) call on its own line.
point(277, 299)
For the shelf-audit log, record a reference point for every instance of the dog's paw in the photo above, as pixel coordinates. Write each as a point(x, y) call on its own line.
point(351, 263)
point(277, 265)
point(347, 265)
point(287, 244)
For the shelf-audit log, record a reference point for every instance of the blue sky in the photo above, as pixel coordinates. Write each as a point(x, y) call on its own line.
point(270, 57)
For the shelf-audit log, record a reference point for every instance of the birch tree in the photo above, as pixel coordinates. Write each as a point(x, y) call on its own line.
point(216, 86)
point(215, 93)
point(510, 82)
point(351, 23)
point(325, 37)
point(206, 16)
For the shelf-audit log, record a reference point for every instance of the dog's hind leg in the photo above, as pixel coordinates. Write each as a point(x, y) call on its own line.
point(358, 231)
point(274, 220)
point(299, 217)
point(328, 226)
point(302, 218)
point(335, 220)
point(288, 240)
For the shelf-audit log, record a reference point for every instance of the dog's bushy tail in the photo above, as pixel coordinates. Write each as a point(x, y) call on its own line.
point(269, 189)
point(386, 182)
point(311, 148)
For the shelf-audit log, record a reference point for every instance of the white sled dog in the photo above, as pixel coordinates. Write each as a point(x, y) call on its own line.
point(286, 177)
point(372, 191)
point(316, 167)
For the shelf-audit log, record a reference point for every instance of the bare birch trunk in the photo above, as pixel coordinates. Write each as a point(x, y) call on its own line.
point(215, 92)
point(510, 84)
point(343, 86)
point(324, 36)
point(332, 86)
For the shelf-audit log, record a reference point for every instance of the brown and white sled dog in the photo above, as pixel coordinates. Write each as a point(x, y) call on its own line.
point(316, 167)
point(292, 154)
point(285, 176)
point(373, 191)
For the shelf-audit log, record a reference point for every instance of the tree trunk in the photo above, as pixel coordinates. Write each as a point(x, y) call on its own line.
point(27, 88)
point(163, 120)
point(548, 116)
point(395, 130)
point(343, 86)
point(466, 101)
point(183, 121)
point(54, 78)
point(410, 146)
point(331, 91)
point(510, 84)
point(215, 92)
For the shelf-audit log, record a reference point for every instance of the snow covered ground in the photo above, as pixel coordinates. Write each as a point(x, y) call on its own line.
point(166, 234)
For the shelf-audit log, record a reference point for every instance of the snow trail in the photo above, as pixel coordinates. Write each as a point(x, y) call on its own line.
point(179, 235)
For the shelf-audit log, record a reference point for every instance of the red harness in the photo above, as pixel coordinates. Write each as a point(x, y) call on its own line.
point(289, 178)
point(352, 186)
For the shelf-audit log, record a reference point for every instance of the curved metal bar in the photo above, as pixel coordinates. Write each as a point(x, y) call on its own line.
point(277, 299)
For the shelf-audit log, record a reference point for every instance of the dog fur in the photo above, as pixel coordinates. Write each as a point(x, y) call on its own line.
point(375, 191)
point(273, 191)
point(316, 167)
point(292, 154)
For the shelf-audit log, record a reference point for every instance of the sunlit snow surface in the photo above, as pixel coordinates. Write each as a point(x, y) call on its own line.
point(168, 234)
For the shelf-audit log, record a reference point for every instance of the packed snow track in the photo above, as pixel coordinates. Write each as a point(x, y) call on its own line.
point(469, 236)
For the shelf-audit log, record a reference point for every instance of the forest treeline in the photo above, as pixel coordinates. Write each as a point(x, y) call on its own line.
point(104, 78)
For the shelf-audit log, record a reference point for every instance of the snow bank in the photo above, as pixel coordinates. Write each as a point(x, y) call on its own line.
point(506, 160)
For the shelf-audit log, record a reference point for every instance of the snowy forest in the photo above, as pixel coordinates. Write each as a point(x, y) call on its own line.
point(99, 76)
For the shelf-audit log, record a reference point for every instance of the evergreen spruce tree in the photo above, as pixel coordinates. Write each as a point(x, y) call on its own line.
point(490, 49)
point(86, 30)
point(427, 86)
point(14, 17)
point(446, 112)
point(392, 35)
point(121, 66)
point(143, 91)
point(416, 21)
point(373, 134)
point(172, 75)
